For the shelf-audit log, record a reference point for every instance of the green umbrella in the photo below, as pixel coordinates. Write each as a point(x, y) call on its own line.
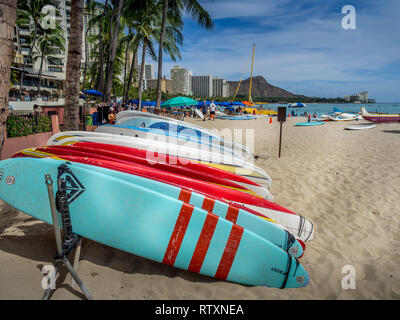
point(179, 102)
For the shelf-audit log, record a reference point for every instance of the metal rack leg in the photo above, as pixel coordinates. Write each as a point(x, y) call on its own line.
point(64, 260)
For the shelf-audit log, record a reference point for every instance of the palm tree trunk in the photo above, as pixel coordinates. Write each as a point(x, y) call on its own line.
point(73, 73)
point(131, 72)
point(40, 71)
point(126, 67)
point(20, 53)
point(86, 59)
point(140, 88)
point(111, 57)
point(100, 77)
point(8, 12)
point(160, 52)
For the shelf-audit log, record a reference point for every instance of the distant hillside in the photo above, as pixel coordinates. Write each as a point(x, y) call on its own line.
point(260, 88)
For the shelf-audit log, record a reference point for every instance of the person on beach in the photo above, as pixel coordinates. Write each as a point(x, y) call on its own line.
point(212, 110)
point(204, 110)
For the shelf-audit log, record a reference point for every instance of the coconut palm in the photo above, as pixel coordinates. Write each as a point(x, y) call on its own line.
point(148, 30)
point(113, 49)
point(7, 19)
point(48, 40)
point(30, 13)
point(174, 8)
point(91, 7)
point(101, 50)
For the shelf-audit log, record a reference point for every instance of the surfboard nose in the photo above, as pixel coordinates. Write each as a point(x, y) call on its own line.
point(298, 276)
point(296, 250)
point(306, 229)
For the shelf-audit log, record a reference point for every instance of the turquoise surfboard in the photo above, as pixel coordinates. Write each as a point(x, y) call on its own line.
point(268, 230)
point(140, 221)
point(306, 124)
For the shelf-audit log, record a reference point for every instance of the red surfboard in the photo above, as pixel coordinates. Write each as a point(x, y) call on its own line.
point(109, 155)
point(164, 161)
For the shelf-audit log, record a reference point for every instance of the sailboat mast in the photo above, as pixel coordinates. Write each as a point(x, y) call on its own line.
point(251, 74)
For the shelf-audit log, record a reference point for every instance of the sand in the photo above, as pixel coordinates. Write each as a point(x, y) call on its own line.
point(346, 182)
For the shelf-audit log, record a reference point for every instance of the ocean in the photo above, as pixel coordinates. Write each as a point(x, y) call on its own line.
point(323, 108)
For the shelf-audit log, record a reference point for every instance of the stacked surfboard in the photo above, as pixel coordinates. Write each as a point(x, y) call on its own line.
point(168, 191)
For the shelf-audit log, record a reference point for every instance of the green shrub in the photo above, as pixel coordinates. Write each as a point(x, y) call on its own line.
point(20, 126)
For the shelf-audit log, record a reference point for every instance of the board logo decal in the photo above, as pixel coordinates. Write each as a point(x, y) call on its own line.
point(293, 251)
point(74, 187)
point(300, 279)
point(10, 180)
point(1, 174)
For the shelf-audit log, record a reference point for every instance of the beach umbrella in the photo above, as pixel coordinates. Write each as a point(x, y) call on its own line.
point(179, 102)
point(93, 92)
point(297, 105)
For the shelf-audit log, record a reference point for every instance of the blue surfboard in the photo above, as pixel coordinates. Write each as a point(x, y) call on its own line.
point(306, 124)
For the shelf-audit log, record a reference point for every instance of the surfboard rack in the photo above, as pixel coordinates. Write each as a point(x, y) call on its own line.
point(70, 241)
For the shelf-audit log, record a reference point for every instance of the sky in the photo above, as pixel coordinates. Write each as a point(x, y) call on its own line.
point(300, 45)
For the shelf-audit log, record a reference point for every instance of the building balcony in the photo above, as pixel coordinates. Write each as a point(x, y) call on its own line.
point(24, 31)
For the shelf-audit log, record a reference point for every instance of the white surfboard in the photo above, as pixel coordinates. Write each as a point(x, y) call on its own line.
point(361, 127)
point(199, 113)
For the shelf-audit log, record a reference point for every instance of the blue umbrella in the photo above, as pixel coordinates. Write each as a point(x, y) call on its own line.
point(93, 92)
point(297, 105)
point(225, 103)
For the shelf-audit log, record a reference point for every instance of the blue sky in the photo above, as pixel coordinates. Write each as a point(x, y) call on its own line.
point(300, 45)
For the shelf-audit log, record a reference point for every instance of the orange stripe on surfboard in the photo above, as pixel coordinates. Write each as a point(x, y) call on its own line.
point(203, 243)
point(232, 214)
point(185, 195)
point(177, 235)
point(230, 252)
point(208, 204)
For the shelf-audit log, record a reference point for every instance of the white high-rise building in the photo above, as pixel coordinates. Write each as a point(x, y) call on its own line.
point(94, 31)
point(148, 74)
point(363, 96)
point(54, 67)
point(220, 87)
point(181, 80)
point(202, 86)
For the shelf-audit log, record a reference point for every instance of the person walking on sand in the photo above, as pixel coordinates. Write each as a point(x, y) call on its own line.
point(212, 110)
point(204, 110)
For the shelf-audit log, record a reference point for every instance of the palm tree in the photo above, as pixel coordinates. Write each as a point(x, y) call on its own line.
point(173, 8)
point(8, 12)
point(113, 49)
point(73, 74)
point(101, 20)
point(30, 13)
point(48, 40)
point(148, 29)
point(91, 7)
point(130, 46)
point(101, 51)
